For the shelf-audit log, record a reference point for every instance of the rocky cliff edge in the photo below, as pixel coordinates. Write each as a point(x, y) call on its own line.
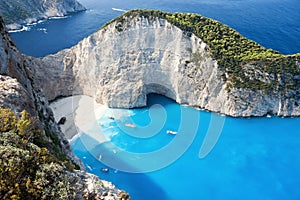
point(144, 52)
point(24, 176)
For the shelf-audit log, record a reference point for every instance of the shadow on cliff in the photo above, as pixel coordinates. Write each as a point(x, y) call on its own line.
point(155, 98)
point(138, 185)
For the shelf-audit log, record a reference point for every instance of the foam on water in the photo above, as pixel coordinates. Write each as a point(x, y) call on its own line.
point(61, 17)
point(24, 28)
point(42, 29)
point(75, 137)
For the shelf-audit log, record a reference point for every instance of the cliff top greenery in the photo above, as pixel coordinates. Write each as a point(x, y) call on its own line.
point(28, 169)
point(232, 51)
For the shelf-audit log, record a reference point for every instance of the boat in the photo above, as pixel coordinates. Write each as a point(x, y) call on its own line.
point(104, 170)
point(130, 125)
point(171, 132)
point(111, 117)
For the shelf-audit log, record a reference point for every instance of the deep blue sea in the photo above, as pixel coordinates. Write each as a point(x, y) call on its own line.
point(211, 156)
point(272, 23)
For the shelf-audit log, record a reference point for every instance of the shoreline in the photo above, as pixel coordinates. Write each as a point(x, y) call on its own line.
point(20, 27)
point(81, 113)
point(25, 26)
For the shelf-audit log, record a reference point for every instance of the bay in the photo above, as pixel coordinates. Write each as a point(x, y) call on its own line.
point(253, 158)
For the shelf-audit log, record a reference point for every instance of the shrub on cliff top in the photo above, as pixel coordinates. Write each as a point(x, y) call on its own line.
point(26, 170)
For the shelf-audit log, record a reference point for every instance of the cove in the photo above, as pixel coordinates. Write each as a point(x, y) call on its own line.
point(254, 158)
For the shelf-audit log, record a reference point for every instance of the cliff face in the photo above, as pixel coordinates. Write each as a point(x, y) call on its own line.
point(137, 55)
point(15, 13)
point(19, 91)
point(12, 63)
point(121, 68)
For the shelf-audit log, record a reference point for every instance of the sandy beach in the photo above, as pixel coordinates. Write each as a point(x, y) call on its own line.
point(81, 113)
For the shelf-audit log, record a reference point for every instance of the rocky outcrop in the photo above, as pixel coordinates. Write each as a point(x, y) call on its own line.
point(17, 84)
point(137, 55)
point(94, 188)
point(16, 13)
point(14, 95)
point(19, 91)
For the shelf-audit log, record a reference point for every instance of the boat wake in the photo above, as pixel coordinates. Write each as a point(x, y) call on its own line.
point(118, 9)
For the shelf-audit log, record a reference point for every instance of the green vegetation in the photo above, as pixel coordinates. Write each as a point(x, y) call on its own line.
point(17, 11)
point(12, 11)
point(27, 169)
point(232, 51)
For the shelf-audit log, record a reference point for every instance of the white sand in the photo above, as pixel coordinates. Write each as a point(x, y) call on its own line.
point(81, 114)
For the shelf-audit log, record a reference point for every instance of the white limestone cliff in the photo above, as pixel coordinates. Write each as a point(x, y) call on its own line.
point(124, 61)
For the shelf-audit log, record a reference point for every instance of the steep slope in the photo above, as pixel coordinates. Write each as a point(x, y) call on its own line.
point(189, 58)
point(15, 13)
point(35, 157)
point(12, 63)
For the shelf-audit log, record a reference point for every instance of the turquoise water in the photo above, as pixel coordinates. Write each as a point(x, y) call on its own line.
point(253, 158)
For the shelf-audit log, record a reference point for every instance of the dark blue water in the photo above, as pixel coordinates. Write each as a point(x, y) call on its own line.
point(272, 23)
point(253, 158)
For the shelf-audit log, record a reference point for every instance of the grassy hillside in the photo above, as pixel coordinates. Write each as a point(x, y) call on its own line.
point(233, 51)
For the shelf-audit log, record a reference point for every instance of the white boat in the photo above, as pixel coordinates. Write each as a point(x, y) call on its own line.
point(171, 132)
point(130, 125)
point(104, 170)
